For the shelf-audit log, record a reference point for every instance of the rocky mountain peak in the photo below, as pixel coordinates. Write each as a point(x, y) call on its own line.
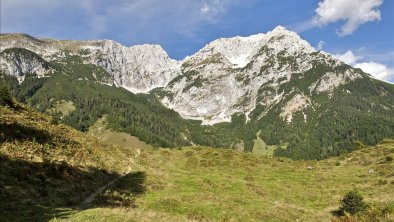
point(236, 75)
point(281, 39)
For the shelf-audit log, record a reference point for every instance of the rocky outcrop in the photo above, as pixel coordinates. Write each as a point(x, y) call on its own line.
point(18, 62)
point(138, 69)
point(237, 74)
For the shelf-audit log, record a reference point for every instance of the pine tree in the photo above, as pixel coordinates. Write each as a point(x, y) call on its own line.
point(353, 203)
point(5, 97)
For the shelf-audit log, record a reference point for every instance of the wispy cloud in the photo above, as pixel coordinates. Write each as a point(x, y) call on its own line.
point(320, 45)
point(134, 19)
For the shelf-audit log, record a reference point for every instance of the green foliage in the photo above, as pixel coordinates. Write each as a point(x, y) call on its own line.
point(353, 203)
point(5, 97)
point(373, 213)
point(359, 145)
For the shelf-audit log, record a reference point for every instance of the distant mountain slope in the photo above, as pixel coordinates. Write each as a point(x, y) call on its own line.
point(306, 102)
point(301, 102)
point(138, 68)
point(83, 88)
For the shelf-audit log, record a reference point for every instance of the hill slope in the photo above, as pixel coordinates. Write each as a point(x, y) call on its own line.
point(46, 166)
point(48, 169)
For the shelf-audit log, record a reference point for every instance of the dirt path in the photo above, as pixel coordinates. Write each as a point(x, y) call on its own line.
point(90, 199)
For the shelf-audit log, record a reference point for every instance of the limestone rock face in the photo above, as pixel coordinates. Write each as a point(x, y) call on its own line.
point(227, 76)
point(235, 75)
point(19, 62)
point(139, 68)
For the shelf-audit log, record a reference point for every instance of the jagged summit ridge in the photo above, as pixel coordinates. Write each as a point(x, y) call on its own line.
point(138, 68)
point(227, 76)
point(235, 75)
point(239, 50)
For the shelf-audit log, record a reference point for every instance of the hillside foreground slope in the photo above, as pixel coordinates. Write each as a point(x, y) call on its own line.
point(48, 169)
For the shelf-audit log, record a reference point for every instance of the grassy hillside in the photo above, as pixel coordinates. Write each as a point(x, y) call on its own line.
point(48, 169)
point(46, 166)
point(206, 184)
point(101, 131)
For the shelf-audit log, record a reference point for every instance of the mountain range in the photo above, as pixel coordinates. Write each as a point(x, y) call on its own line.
point(272, 94)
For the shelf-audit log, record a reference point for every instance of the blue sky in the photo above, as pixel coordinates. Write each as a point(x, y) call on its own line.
point(360, 32)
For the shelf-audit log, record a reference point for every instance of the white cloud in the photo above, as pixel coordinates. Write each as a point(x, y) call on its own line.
point(205, 8)
point(348, 57)
point(353, 12)
point(320, 45)
point(136, 20)
point(377, 70)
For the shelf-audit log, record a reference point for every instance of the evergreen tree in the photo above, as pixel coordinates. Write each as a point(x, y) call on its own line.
point(5, 97)
point(353, 203)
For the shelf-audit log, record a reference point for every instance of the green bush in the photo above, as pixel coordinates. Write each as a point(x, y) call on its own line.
point(5, 97)
point(353, 203)
point(358, 145)
point(374, 213)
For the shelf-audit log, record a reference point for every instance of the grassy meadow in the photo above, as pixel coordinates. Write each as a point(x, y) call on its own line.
point(49, 169)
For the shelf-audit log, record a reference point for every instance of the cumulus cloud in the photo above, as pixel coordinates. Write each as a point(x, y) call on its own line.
point(377, 70)
point(348, 57)
point(353, 12)
point(320, 45)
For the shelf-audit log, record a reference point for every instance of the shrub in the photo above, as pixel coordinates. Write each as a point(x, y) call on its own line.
point(389, 158)
point(374, 213)
point(353, 203)
point(5, 97)
point(359, 145)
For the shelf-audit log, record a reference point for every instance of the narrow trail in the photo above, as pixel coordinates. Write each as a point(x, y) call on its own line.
point(90, 199)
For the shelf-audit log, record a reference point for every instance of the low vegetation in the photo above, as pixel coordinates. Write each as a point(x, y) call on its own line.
point(354, 208)
point(48, 169)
